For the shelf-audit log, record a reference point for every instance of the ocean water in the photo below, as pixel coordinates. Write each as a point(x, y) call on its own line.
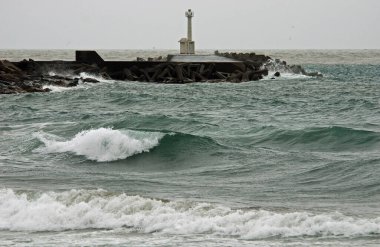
point(288, 162)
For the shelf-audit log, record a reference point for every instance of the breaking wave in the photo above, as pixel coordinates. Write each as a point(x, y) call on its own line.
point(103, 144)
point(94, 209)
point(85, 75)
point(285, 76)
point(287, 71)
point(81, 84)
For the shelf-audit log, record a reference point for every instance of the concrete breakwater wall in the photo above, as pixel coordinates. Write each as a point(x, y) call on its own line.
point(178, 69)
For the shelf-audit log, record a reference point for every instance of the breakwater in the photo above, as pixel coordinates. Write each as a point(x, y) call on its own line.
point(34, 76)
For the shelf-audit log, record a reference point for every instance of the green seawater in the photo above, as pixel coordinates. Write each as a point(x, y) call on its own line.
point(288, 162)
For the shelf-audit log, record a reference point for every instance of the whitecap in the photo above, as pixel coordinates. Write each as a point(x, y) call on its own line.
point(103, 144)
point(99, 209)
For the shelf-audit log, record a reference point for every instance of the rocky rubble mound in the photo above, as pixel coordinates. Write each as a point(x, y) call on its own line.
point(15, 80)
point(267, 63)
point(282, 67)
point(28, 76)
point(172, 72)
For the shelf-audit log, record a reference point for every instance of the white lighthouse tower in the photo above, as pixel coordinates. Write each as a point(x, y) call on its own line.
point(187, 45)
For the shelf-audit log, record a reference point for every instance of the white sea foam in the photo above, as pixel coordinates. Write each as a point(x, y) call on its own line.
point(81, 75)
point(57, 89)
point(99, 78)
point(84, 209)
point(285, 76)
point(81, 84)
point(103, 144)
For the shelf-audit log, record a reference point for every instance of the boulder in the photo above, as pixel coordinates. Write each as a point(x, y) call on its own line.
point(105, 75)
point(10, 77)
point(89, 80)
point(21, 87)
point(30, 67)
point(297, 69)
point(73, 84)
point(60, 83)
point(10, 72)
point(9, 68)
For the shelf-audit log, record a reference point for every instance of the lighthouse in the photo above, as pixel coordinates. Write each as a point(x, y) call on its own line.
point(187, 45)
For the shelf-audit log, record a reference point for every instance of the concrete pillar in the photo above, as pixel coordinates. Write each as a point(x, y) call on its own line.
point(189, 15)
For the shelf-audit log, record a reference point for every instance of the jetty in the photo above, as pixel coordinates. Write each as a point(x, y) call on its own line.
point(179, 68)
point(185, 67)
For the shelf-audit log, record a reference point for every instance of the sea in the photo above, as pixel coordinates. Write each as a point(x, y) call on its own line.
point(293, 161)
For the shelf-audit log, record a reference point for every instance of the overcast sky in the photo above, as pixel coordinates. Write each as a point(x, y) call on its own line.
point(218, 24)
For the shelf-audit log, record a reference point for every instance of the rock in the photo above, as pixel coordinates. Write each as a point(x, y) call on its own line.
point(256, 77)
point(105, 75)
point(5, 83)
point(28, 87)
point(10, 72)
point(89, 80)
point(74, 83)
point(9, 68)
point(10, 77)
point(297, 69)
point(59, 83)
point(30, 67)
point(277, 74)
point(58, 77)
point(21, 87)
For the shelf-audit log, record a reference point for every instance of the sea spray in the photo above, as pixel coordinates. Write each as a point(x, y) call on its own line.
point(103, 144)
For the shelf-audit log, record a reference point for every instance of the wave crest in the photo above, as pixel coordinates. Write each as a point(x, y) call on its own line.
point(103, 144)
point(323, 138)
point(85, 209)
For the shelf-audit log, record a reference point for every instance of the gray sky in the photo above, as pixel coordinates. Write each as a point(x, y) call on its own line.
point(218, 24)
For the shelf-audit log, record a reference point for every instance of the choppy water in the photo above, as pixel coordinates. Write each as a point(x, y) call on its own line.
point(287, 162)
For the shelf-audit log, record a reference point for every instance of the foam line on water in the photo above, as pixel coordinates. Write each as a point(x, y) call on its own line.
point(86, 209)
point(103, 144)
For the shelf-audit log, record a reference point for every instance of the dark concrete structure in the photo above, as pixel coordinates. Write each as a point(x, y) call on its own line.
point(88, 57)
point(176, 68)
